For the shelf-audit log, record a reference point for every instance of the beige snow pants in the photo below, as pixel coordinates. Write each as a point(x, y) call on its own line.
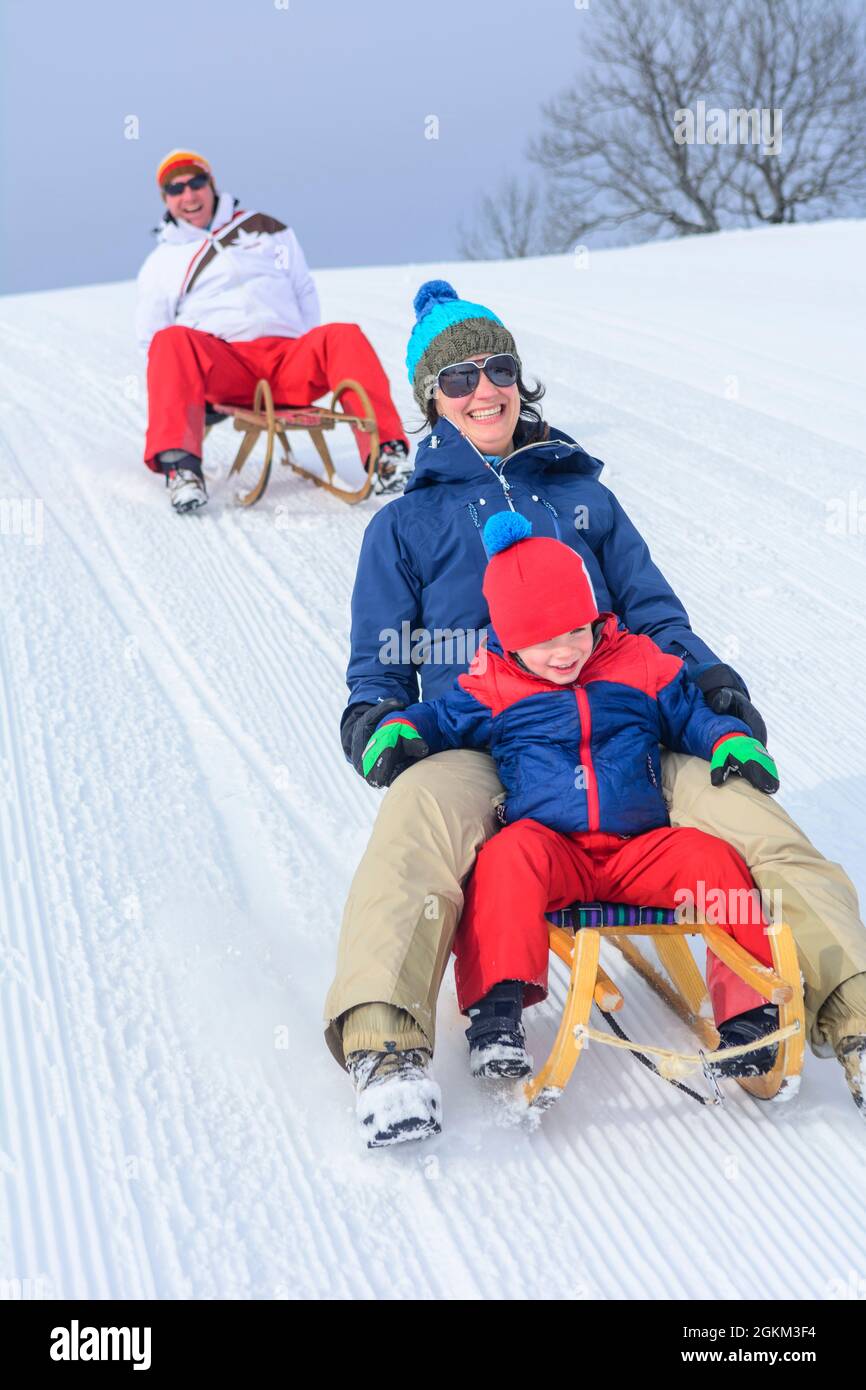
point(407, 895)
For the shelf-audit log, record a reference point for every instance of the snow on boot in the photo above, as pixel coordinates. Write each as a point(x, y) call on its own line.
point(497, 1042)
point(852, 1054)
point(186, 489)
point(393, 467)
point(748, 1027)
point(396, 1096)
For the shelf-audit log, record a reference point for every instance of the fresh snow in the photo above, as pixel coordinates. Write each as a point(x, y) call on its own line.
point(178, 828)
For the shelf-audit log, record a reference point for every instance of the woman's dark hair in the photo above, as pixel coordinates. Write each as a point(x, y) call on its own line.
point(530, 422)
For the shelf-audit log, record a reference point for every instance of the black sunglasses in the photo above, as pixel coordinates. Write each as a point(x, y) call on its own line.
point(462, 378)
point(197, 181)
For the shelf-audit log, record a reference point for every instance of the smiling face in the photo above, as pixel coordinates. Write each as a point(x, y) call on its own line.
point(562, 658)
point(488, 417)
point(193, 205)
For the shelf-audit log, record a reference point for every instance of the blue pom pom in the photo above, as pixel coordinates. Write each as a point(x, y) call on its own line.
point(505, 529)
point(432, 292)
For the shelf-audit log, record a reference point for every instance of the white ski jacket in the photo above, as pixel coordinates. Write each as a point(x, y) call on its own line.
point(244, 277)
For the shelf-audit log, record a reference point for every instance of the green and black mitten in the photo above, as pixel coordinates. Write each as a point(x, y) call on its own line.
point(393, 746)
point(748, 758)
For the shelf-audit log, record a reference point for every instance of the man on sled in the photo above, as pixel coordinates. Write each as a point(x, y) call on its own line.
point(225, 299)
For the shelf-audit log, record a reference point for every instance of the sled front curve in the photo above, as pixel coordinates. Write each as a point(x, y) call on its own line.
point(551, 1080)
point(327, 420)
point(260, 420)
point(682, 988)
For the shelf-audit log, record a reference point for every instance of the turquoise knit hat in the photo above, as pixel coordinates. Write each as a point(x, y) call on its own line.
point(447, 330)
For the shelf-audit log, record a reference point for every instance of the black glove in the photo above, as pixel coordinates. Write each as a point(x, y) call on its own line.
point(725, 693)
point(357, 725)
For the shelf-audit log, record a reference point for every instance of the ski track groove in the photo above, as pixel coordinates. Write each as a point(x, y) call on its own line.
point(200, 1147)
point(295, 671)
point(142, 1283)
point(28, 1236)
point(781, 377)
point(318, 1260)
point(747, 1128)
point(227, 721)
point(141, 1123)
point(54, 1153)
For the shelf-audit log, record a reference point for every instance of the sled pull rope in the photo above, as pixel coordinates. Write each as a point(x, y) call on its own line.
point(583, 1032)
point(645, 1061)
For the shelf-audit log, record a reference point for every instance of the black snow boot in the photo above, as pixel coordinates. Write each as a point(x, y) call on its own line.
point(747, 1028)
point(497, 1042)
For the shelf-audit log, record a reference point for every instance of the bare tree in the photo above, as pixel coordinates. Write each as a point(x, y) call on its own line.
point(609, 145)
point(509, 224)
point(805, 59)
point(611, 149)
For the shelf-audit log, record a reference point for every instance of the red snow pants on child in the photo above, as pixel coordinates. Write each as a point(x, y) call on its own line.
point(527, 870)
point(186, 368)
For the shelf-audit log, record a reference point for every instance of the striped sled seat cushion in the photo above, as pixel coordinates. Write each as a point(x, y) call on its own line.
point(611, 915)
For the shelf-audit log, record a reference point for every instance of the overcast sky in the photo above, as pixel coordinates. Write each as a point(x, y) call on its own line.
point(312, 110)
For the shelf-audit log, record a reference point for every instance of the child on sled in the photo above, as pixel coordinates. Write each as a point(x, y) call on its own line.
point(572, 708)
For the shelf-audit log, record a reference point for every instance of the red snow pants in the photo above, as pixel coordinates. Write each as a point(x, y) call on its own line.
point(186, 368)
point(526, 870)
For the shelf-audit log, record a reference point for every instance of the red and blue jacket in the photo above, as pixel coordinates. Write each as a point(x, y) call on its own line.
point(583, 756)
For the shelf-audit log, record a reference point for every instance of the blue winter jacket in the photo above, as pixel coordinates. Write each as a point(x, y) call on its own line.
point(583, 756)
point(417, 605)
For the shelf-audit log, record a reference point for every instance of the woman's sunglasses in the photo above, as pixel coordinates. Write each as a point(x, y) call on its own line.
point(197, 181)
point(462, 378)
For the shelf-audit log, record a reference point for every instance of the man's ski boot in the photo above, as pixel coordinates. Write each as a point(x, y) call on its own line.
point(748, 1027)
point(497, 1042)
point(396, 1096)
point(852, 1054)
point(183, 479)
point(393, 468)
point(186, 489)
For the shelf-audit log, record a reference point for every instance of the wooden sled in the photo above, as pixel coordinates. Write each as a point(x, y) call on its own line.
point(275, 423)
point(681, 986)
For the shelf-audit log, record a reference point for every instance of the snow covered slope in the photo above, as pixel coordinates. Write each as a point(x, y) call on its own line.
point(178, 828)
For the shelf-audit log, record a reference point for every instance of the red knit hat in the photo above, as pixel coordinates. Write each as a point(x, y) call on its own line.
point(536, 588)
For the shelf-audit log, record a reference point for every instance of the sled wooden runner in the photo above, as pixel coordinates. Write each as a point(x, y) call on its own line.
point(683, 989)
point(276, 422)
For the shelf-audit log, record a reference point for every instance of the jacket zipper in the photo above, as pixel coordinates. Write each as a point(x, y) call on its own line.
point(506, 487)
point(586, 758)
point(212, 236)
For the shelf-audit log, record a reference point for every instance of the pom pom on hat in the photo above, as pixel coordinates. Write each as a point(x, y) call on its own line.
point(503, 530)
point(432, 292)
